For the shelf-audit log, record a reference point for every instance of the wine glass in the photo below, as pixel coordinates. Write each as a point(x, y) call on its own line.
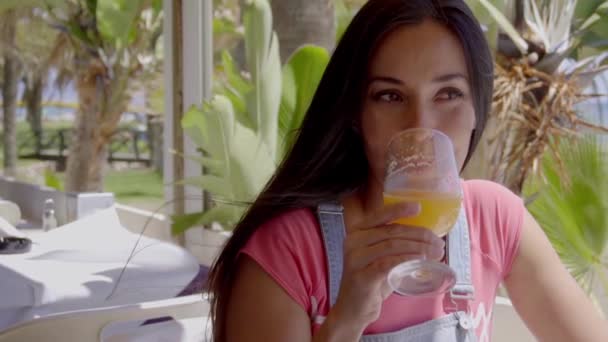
point(421, 167)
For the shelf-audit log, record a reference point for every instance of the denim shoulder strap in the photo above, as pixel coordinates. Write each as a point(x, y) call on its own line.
point(331, 220)
point(459, 258)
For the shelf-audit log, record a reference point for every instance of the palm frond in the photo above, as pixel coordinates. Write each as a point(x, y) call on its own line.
point(506, 26)
point(572, 204)
point(534, 111)
point(549, 22)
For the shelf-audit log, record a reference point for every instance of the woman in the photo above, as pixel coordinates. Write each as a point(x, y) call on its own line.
point(400, 64)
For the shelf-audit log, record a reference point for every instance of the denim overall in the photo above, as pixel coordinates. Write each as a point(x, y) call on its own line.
point(454, 327)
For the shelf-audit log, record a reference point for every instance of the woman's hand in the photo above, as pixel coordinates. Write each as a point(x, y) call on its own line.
point(371, 249)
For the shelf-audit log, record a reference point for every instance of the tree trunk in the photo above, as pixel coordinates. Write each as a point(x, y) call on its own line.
point(102, 100)
point(299, 22)
point(33, 104)
point(87, 155)
point(82, 146)
point(9, 96)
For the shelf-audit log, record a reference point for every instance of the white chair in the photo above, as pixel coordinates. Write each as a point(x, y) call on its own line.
point(190, 314)
point(508, 326)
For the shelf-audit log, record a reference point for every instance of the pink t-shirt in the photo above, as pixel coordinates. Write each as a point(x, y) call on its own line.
point(290, 248)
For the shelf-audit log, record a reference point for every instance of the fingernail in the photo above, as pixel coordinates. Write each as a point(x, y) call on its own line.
point(439, 242)
point(437, 252)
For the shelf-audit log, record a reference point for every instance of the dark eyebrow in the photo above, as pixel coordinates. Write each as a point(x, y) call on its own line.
point(449, 77)
point(438, 79)
point(386, 79)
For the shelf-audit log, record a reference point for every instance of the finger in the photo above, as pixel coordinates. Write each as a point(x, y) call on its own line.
point(362, 257)
point(379, 269)
point(390, 213)
point(404, 247)
point(368, 237)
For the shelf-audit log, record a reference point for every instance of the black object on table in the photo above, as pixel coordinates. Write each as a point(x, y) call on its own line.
point(15, 245)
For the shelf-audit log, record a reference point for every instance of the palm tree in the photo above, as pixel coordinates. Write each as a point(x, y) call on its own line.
point(571, 204)
point(111, 43)
point(38, 49)
point(298, 22)
point(11, 70)
point(547, 53)
point(107, 44)
point(321, 19)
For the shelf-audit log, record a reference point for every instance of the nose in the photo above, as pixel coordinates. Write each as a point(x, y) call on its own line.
point(421, 117)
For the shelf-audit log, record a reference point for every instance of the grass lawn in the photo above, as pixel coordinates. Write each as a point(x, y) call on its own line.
point(141, 188)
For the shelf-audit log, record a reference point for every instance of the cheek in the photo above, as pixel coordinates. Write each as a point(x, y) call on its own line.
point(373, 135)
point(376, 132)
point(460, 131)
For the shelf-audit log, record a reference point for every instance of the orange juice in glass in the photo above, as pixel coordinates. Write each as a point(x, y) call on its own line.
point(438, 211)
point(421, 167)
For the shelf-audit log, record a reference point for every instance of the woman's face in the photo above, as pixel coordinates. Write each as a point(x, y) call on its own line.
point(417, 78)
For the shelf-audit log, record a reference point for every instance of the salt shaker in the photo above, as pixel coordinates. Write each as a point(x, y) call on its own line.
point(49, 221)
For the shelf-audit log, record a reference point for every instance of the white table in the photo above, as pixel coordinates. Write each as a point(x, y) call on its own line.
point(82, 265)
point(186, 330)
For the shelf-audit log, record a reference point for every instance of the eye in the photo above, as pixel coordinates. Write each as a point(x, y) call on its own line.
point(388, 96)
point(448, 94)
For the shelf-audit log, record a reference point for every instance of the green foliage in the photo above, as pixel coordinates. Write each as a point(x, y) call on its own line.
point(343, 17)
point(263, 62)
point(238, 161)
point(52, 180)
point(301, 76)
point(563, 26)
point(585, 10)
point(245, 130)
point(136, 186)
point(14, 4)
point(572, 207)
point(594, 31)
point(116, 18)
point(491, 14)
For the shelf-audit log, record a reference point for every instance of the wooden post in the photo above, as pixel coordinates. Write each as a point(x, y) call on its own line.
point(188, 70)
point(178, 108)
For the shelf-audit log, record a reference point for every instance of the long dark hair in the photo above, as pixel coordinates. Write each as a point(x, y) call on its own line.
point(328, 160)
